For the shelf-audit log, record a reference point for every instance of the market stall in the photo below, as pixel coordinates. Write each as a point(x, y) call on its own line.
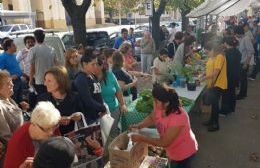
point(185, 80)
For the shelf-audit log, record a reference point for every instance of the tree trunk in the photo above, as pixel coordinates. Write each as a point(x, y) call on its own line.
point(119, 14)
point(78, 21)
point(156, 30)
point(110, 16)
point(79, 28)
point(185, 20)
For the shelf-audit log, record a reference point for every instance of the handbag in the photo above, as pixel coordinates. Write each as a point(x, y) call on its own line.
point(86, 152)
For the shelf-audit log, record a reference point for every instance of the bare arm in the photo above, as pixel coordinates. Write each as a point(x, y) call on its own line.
point(139, 74)
point(32, 73)
point(124, 86)
point(148, 121)
point(164, 141)
point(121, 100)
point(157, 71)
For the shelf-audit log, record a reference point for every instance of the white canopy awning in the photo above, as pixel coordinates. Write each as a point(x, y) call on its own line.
point(236, 8)
point(221, 7)
point(208, 7)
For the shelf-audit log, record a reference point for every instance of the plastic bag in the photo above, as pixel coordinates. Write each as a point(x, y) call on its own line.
point(106, 123)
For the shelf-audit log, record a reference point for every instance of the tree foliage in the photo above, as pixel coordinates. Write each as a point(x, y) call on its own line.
point(185, 6)
point(113, 6)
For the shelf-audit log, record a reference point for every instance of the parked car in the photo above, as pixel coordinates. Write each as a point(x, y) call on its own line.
point(6, 30)
point(97, 39)
point(51, 39)
point(142, 27)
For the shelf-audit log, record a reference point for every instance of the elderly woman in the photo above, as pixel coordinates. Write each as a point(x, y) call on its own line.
point(147, 50)
point(11, 116)
point(72, 62)
point(130, 63)
point(25, 141)
point(68, 103)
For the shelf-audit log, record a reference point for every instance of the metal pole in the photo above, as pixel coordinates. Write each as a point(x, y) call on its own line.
point(206, 28)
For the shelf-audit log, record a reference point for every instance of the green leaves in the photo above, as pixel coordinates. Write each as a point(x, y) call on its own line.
point(145, 103)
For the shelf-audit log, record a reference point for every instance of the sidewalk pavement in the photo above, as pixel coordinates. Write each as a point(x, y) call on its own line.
point(237, 143)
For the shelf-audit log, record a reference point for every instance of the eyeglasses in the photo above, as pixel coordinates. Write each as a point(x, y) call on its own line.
point(52, 129)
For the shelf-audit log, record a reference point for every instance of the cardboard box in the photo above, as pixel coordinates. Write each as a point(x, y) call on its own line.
point(120, 158)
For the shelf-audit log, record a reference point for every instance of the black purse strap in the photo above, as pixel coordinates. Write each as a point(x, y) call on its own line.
point(219, 73)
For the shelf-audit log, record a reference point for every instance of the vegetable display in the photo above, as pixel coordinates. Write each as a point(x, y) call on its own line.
point(145, 103)
point(185, 101)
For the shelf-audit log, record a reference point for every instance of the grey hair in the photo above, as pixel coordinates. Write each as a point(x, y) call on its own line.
point(45, 114)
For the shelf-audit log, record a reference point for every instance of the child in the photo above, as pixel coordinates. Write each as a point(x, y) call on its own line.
point(160, 67)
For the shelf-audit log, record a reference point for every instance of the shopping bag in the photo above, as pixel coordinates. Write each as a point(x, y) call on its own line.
point(128, 99)
point(106, 123)
point(88, 141)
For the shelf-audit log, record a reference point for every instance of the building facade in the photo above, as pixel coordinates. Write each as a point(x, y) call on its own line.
point(51, 13)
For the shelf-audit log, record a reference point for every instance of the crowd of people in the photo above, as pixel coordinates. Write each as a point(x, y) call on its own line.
point(34, 81)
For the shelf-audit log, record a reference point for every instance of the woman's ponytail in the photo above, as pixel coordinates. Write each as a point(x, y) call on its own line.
point(168, 95)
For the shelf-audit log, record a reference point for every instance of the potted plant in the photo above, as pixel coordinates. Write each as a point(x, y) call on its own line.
point(188, 73)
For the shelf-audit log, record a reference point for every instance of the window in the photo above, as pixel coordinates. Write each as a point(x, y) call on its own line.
point(23, 27)
point(15, 28)
point(10, 7)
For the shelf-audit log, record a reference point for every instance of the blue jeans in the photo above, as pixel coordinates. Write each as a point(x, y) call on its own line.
point(18, 86)
point(186, 163)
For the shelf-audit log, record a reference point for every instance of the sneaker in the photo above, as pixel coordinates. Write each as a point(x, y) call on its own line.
point(222, 115)
point(250, 78)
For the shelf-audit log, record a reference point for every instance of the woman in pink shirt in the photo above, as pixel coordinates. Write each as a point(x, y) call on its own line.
point(173, 125)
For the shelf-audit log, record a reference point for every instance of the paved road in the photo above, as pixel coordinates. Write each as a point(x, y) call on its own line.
point(237, 143)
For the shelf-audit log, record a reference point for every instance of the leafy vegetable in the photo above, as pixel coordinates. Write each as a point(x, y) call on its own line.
point(185, 101)
point(145, 103)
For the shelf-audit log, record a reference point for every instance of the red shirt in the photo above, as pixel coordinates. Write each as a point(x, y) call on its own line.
point(185, 145)
point(20, 147)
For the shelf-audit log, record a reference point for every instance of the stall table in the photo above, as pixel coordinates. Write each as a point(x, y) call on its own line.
point(133, 116)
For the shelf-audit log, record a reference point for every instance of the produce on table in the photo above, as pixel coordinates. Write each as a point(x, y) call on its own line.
point(185, 101)
point(145, 103)
point(156, 151)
